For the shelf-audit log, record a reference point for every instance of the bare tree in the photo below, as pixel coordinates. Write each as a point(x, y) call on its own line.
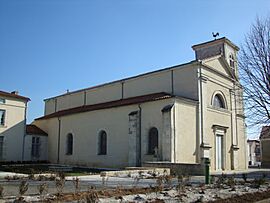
point(254, 67)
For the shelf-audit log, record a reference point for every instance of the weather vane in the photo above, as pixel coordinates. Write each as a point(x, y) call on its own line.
point(215, 35)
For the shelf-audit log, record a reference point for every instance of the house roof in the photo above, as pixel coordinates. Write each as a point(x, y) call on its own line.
point(265, 132)
point(111, 104)
point(34, 130)
point(13, 95)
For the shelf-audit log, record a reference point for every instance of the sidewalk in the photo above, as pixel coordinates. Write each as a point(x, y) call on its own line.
point(248, 171)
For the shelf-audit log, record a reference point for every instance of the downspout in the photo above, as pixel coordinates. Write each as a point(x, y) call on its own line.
point(24, 134)
point(174, 131)
point(172, 80)
point(58, 144)
point(84, 98)
point(174, 117)
point(122, 90)
point(140, 136)
point(55, 105)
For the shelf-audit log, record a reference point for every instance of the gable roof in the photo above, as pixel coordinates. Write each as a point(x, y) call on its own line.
point(34, 130)
point(111, 104)
point(223, 63)
point(265, 132)
point(13, 95)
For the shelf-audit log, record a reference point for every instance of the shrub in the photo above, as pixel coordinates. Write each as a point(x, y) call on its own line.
point(23, 187)
point(92, 195)
point(76, 183)
point(42, 188)
point(1, 191)
point(60, 183)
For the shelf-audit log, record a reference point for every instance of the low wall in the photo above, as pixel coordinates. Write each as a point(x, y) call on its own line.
point(144, 172)
point(178, 168)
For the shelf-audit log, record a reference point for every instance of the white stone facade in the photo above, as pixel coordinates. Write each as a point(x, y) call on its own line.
point(195, 108)
point(12, 126)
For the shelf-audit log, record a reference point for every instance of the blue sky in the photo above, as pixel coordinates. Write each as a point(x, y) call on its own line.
point(49, 46)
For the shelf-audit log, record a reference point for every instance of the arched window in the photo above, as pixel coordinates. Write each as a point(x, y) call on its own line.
point(69, 149)
point(219, 101)
point(152, 140)
point(102, 143)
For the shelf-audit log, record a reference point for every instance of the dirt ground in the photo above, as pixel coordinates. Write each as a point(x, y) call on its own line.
point(94, 188)
point(117, 195)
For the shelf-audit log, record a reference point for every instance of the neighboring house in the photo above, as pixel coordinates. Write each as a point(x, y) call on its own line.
point(265, 146)
point(180, 114)
point(12, 125)
point(254, 152)
point(36, 144)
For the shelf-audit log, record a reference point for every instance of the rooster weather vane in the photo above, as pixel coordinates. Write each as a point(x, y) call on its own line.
point(215, 35)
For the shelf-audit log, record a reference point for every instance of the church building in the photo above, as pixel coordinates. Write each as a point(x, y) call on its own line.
point(181, 114)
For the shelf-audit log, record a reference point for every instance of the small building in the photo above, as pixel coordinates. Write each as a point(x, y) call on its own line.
point(12, 125)
point(254, 152)
point(36, 144)
point(265, 146)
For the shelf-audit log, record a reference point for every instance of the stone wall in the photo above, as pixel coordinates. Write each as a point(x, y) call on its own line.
point(178, 168)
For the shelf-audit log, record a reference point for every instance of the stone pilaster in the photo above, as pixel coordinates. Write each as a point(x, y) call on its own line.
point(133, 139)
point(167, 139)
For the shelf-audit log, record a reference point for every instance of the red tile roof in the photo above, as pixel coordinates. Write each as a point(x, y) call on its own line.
point(13, 95)
point(106, 105)
point(265, 133)
point(34, 130)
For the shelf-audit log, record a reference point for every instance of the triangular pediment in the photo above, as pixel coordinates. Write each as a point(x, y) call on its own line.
point(219, 64)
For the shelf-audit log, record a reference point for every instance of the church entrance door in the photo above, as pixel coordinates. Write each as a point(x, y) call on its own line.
point(219, 152)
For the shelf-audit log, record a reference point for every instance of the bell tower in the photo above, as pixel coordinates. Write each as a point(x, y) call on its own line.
point(218, 47)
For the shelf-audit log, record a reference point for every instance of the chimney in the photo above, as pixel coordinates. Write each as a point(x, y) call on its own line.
point(15, 92)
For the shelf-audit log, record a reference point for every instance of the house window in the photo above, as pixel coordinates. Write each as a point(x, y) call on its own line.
point(35, 152)
point(102, 143)
point(2, 117)
point(69, 148)
point(1, 147)
point(219, 101)
point(152, 140)
point(2, 101)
